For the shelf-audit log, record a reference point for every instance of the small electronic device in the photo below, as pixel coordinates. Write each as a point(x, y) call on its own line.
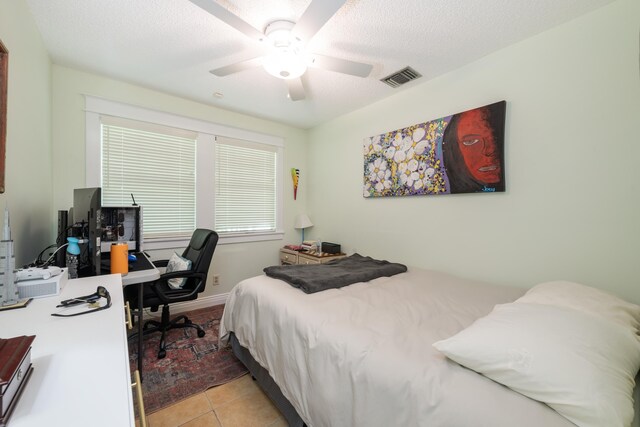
point(38, 288)
point(330, 248)
point(35, 273)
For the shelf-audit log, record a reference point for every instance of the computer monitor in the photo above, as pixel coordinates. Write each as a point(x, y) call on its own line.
point(87, 216)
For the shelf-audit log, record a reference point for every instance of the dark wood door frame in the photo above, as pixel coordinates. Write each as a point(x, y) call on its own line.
point(4, 72)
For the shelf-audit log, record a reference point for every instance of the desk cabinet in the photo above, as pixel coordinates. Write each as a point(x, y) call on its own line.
point(289, 257)
point(81, 372)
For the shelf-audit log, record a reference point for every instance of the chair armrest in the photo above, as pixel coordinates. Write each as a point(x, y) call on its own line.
point(160, 263)
point(180, 274)
point(183, 274)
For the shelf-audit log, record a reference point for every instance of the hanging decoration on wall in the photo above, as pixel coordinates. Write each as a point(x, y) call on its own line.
point(295, 175)
point(462, 153)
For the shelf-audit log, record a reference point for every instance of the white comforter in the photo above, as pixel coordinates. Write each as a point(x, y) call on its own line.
point(362, 355)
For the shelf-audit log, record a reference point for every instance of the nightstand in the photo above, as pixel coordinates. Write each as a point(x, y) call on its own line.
point(289, 257)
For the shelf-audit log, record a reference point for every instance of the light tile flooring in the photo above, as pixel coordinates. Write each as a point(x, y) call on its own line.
point(239, 403)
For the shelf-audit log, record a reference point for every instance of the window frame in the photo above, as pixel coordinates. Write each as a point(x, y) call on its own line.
point(205, 157)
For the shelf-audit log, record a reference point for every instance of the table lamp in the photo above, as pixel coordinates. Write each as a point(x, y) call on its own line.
point(302, 222)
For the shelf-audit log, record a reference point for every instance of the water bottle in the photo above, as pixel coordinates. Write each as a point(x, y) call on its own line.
point(73, 250)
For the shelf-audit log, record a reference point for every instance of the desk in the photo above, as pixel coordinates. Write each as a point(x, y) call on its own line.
point(81, 370)
point(142, 271)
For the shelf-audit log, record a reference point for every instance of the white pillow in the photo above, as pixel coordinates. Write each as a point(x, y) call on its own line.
point(581, 365)
point(586, 299)
point(177, 263)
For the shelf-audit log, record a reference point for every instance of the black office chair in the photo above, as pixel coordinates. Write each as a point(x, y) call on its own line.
point(200, 252)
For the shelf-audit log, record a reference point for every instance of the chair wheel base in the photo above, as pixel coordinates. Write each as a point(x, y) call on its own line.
point(162, 354)
point(200, 333)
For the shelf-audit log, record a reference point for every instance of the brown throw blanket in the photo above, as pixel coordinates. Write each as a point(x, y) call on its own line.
point(334, 274)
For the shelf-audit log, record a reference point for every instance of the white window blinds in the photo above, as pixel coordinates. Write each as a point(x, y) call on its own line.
point(157, 165)
point(245, 185)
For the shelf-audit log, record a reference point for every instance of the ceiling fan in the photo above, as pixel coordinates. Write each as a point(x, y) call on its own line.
point(286, 40)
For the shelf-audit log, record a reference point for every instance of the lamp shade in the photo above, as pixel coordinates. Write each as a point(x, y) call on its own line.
point(302, 221)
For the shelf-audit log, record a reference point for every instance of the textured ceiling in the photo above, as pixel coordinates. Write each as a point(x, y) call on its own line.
point(170, 45)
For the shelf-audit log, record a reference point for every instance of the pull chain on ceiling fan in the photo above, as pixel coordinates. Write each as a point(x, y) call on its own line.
point(287, 58)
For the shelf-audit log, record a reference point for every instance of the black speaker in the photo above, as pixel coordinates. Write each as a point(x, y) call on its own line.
point(63, 224)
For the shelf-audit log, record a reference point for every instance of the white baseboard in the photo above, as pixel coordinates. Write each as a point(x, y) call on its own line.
point(201, 302)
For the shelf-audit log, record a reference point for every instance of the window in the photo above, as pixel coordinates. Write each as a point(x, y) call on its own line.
point(245, 182)
point(185, 173)
point(155, 165)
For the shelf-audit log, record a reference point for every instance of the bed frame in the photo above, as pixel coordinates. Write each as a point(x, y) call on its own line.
point(266, 383)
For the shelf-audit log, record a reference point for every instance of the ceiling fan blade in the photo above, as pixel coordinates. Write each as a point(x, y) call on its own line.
point(344, 66)
point(229, 18)
point(296, 90)
point(316, 15)
point(237, 67)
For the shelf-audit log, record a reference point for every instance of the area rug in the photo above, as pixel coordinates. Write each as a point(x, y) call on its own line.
point(192, 364)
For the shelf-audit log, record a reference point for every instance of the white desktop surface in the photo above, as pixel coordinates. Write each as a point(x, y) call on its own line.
point(141, 276)
point(81, 373)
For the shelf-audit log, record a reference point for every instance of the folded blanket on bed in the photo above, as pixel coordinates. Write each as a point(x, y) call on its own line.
point(334, 274)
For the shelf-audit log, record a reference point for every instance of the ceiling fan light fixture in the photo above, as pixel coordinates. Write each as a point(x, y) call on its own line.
point(285, 64)
point(279, 33)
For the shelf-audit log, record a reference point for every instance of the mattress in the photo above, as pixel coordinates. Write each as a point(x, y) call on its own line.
point(362, 355)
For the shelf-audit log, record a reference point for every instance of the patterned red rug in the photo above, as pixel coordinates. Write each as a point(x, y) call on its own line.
point(192, 364)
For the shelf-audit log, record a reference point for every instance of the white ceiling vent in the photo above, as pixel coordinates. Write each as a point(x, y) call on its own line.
point(401, 77)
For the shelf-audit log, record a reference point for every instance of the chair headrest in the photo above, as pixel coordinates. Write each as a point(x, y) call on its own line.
point(199, 238)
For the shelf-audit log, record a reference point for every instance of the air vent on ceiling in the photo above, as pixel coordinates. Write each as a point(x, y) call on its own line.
point(401, 77)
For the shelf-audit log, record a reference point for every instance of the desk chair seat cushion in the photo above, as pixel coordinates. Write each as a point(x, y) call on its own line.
point(150, 295)
point(177, 263)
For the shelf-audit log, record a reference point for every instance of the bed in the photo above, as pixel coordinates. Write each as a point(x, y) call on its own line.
point(364, 355)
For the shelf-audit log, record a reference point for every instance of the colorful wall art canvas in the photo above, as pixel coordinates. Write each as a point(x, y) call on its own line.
point(462, 153)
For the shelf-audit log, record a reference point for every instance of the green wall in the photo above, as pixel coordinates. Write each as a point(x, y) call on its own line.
point(572, 206)
point(28, 156)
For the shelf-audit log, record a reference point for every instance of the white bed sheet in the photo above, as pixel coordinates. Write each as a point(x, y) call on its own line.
point(362, 355)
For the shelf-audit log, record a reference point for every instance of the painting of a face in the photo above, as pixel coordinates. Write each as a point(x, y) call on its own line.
point(456, 154)
point(478, 146)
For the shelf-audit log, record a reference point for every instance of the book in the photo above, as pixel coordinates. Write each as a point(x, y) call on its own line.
point(15, 371)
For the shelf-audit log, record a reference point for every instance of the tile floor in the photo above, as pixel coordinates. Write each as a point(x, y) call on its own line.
point(239, 403)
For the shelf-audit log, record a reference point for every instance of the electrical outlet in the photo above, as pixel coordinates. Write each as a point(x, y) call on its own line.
point(216, 279)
